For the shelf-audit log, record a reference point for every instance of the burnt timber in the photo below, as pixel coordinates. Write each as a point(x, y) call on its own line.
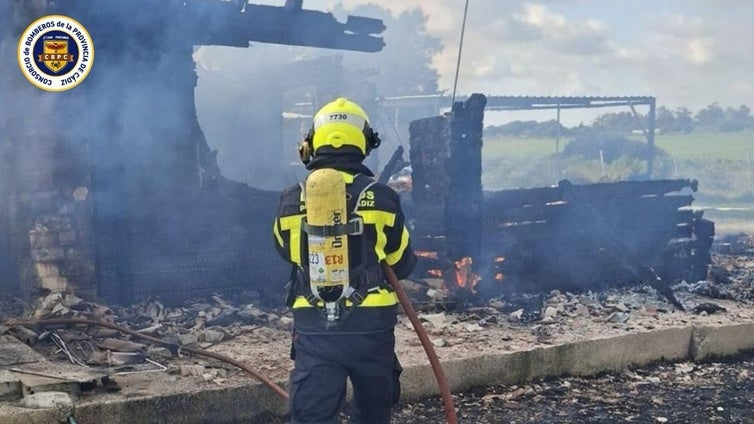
point(567, 237)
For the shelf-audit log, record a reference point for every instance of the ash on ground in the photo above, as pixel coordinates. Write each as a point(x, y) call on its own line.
point(242, 327)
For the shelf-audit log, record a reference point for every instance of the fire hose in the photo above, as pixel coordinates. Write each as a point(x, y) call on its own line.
point(450, 412)
point(447, 399)
point(196, 351)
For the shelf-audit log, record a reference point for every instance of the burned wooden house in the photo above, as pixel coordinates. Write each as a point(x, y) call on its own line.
point(111, 190)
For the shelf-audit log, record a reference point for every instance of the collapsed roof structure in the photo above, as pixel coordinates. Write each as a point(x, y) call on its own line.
point(110, 189)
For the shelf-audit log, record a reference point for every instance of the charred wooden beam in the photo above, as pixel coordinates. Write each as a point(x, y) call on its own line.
point(463, 213)
point(429, 154)
point(395, 164)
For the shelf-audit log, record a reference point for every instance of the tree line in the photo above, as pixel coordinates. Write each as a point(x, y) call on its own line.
point(681, 120)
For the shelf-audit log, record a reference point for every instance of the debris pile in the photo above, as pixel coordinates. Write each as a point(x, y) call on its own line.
point(735, 244)
point(558, 316)
point(450, 319)
point(730, 277)
point(200, 323)
point(252, 333)
point(543, 316)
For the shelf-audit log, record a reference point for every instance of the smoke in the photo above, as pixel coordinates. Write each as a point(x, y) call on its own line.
point(161, 212)
point(239, 89)
point(165, 209)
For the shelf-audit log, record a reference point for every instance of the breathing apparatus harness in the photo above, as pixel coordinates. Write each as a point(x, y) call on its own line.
point(334, 286)
point(340, 131)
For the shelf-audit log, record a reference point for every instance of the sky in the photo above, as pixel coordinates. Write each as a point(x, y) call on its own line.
point(687, 53)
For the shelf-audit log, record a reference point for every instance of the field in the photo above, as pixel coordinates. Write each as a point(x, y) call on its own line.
point(723, 163)
point(720, 146)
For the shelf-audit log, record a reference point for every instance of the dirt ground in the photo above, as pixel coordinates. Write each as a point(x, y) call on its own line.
point(496, 326)
point(709, 392)
point(712, 392)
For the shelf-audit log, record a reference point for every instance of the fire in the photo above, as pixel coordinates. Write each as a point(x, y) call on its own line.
point(426, 254)
point(435, 272)
point(499, 276)
point(461, 274)
point(465, 277)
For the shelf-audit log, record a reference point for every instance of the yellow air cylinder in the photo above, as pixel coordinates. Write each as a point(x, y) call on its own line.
point(328, 255)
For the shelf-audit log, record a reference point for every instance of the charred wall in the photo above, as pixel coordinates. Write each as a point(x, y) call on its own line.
point(109, 189)
point(167, 222)
point(463, 210)
point(446, 195)
point(429, 156)
point(46, 233)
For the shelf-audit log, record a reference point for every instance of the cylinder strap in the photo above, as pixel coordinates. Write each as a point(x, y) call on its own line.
point(354, 227)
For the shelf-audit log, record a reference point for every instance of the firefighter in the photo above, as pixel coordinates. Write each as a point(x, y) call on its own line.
point(342, 329)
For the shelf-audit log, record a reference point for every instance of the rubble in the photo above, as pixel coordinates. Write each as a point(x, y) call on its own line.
point(194, 323)
point(60, 400)
point(260, 336)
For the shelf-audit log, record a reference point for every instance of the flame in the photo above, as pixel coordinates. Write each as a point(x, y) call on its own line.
point(426, 254)
point(499, 276)
point(465, 277)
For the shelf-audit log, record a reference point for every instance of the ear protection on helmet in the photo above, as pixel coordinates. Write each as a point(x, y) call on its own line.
point(372, 137)
point(306, 147)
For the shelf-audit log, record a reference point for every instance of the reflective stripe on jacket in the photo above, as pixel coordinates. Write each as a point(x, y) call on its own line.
point(385, 238)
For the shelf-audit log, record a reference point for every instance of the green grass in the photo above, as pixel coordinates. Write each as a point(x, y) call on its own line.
point(724, 146)
point(518, 148)
point(723, 163)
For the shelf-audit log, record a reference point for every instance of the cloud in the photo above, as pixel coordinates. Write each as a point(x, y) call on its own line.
point(699, 51)
point(686, 52)
point(536, 51)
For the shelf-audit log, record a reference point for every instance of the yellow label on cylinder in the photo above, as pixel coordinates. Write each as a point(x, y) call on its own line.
point(326, 206)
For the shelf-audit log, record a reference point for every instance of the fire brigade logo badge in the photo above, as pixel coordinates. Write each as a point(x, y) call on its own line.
point(55, 53)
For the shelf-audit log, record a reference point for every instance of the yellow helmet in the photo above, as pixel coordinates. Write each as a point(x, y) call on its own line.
point(342, 123)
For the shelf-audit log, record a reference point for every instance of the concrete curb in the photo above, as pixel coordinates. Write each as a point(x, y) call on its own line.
point(248, 402)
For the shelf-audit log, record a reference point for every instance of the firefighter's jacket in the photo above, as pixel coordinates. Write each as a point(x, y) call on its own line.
point(384, 238)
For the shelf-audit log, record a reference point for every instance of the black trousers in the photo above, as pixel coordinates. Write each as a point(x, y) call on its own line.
point(324, 362)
